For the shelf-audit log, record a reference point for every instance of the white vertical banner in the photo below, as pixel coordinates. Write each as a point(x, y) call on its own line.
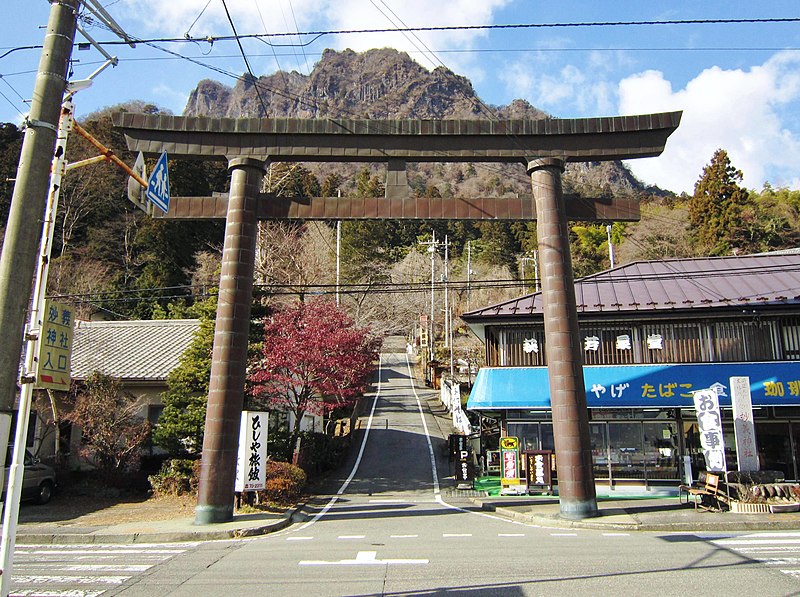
point(743, 424)
point(709, 423)
point(251, 464)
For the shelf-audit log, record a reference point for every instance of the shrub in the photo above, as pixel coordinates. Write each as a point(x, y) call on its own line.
point(176, 477)
point(285, 482)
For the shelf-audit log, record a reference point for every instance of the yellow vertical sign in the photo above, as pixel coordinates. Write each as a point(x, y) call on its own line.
point(55, 347)
point(509, 460)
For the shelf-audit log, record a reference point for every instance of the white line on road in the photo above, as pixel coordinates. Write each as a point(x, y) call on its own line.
point(84, 567)
point(97, 551)
point(299, 538)
point(76, 580)
point(363, 558)
point(403, 536)
point(456, 534)
point(757, 542)
point(775, 548)
point(64, 593)
point(510, 534)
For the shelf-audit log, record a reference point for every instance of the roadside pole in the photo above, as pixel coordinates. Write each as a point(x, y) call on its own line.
point(23, 231)
point(32, 339)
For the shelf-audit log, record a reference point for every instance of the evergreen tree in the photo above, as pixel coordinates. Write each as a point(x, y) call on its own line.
point(180, 427)
point(715, 209)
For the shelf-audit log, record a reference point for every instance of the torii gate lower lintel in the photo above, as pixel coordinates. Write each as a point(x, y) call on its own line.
point(545, 146)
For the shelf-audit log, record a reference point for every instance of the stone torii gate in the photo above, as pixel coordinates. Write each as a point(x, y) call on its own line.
point(544, 146)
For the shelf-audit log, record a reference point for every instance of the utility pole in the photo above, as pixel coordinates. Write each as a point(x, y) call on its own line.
point(338, 256)
point(446, 296)
point(469, 274)
point(432, 250)
point(24, 227)
point(610, 245)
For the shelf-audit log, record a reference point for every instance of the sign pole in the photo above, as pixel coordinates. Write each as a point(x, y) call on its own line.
point(32, 338)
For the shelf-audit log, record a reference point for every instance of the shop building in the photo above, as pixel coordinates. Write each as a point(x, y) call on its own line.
point(652, 333)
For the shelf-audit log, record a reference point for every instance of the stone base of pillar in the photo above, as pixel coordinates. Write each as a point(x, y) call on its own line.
point(213, 514)
point(578, 509)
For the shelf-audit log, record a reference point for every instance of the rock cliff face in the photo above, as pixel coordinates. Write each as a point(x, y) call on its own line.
point(379, 84)
point(374, 84)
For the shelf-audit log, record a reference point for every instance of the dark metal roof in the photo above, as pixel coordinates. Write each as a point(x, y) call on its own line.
point(672, 285)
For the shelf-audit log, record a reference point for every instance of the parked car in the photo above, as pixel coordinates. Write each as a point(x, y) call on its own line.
point(38, 481)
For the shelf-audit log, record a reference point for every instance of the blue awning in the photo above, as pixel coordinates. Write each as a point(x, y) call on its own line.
point(638, 386)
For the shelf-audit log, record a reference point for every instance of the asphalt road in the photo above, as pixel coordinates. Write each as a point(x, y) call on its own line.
point(394, 527)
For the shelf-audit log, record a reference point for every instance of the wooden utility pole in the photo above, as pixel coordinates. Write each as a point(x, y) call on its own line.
point(24, 228)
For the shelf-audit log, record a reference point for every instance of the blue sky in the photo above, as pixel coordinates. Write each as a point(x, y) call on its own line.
point(738, 84)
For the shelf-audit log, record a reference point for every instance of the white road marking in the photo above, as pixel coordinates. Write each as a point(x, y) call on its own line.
point(757, 542)
point(510, 534)
point(64, 593)
point(351, 537)
point(792, 573)
point(763, 535)
point(299, 538)
point(363, 558)
point(403, 536)
point(83, 567)
point(78, 580)
point(105, 551)
point(775, 548)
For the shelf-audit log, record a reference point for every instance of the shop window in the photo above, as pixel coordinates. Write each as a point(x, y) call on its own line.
point(790, 335)
point(743, 341)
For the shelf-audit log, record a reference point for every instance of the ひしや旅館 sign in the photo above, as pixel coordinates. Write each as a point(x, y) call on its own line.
point(773, 383)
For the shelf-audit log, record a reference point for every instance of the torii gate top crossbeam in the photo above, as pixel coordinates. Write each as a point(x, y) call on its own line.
point(344, 140)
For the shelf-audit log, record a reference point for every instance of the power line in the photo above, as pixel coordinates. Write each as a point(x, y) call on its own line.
point(320, 33)
point(244, 57)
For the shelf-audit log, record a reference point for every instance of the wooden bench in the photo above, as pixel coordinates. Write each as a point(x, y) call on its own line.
point(708, 495)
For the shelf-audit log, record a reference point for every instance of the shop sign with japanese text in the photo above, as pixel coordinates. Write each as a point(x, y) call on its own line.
point(509, 460)
point(251, 465)
point(743, 424)
point(709, 424)
point(539, 474)
point(55, 347)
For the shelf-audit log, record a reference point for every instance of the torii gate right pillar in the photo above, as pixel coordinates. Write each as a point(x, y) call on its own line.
point(576, 491)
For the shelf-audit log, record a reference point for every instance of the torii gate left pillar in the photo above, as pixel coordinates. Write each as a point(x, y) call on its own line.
point(229, 355)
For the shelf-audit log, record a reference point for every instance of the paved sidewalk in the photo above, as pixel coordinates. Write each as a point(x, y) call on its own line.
point(162, 531)
point(656, 514)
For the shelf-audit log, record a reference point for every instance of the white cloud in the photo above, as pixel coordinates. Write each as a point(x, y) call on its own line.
point(569, 91)
point(741, 111)
point(165, 96)
point(175, 17)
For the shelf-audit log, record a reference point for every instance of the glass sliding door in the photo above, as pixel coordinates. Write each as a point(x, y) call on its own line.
point(661, 450)
point(599, 441)
point(625, 450)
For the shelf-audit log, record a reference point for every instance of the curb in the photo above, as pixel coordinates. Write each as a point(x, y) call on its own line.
point(158, 537)
point(594, 524)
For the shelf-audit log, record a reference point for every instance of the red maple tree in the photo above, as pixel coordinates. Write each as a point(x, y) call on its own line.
point(314, 359)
